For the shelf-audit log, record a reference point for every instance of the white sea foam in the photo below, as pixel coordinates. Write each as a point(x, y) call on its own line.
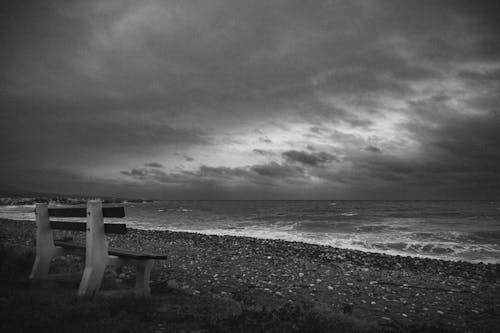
point(349, 214)
point(446, 251)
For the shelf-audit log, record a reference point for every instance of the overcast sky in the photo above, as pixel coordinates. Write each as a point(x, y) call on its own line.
point(251, 99)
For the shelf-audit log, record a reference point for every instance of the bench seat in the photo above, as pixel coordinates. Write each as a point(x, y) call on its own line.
point(113, 251)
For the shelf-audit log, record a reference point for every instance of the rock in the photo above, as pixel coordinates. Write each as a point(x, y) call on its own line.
point(172, 284)
point(162, 308)
point(227, 307)
point(347, 309)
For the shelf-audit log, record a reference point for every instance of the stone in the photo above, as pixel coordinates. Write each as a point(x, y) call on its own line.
point(347, 309)
point(172, 284)
point(4, 301)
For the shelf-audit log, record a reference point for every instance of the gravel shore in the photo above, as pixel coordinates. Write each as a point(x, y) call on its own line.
point(392, 291)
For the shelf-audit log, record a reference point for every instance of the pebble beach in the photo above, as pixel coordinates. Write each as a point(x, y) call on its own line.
point(390, 291)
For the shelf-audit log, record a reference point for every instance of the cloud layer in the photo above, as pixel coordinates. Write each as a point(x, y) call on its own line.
point(252, 99)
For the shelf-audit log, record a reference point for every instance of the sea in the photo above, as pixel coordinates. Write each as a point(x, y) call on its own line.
point(449, 230)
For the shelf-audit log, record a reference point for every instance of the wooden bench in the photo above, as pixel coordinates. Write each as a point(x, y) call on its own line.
point(97, 253)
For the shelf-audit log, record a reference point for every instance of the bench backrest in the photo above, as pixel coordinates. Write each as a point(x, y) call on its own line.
point(109, 228)
point(95, 228)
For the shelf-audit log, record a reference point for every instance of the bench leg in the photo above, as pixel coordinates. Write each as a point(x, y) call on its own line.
point(142, 278)
point(91, 280)
point(45, 249)
point(96, 251)
point(41, 268)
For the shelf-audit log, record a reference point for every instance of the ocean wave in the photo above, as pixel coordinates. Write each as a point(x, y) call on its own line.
point(437, 250)
point(372, 228)
point(322, 226)
point(349, 214)
point(490, 235)
point(17, 207)
point(421, 248)
point(479, 237)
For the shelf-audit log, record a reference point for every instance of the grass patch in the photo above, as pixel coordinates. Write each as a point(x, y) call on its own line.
point(60, 311)
point(293, 318)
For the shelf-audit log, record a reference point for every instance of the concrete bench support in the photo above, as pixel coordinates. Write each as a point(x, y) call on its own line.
point(142, 277)
point(97, 253)
point(45, 249)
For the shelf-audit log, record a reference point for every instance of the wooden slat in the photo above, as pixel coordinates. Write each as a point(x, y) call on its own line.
point(82, 212)
point(135, 255)
point(115, 228)
point(115, 251)
point(109, 228)
point(64, 277)
point(70, 245)
point(73, 226)
point(68, 212)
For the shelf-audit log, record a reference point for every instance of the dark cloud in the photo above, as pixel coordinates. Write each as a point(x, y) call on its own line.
point(184, 157)
point(263, 174)
point(151, 175)
point(276, 170)
point(154, 165)
point(320, 113)
point(310, 159)
point(373, 149)
point(263, 152)
point(493, 75)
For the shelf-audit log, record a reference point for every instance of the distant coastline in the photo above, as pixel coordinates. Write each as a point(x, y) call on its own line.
point(63, 200)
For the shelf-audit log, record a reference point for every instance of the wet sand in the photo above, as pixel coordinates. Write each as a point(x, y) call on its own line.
point(392, 291)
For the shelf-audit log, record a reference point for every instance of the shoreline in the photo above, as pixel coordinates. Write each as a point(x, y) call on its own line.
point(466, 243)
point(392, 253)
point(384, 289)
